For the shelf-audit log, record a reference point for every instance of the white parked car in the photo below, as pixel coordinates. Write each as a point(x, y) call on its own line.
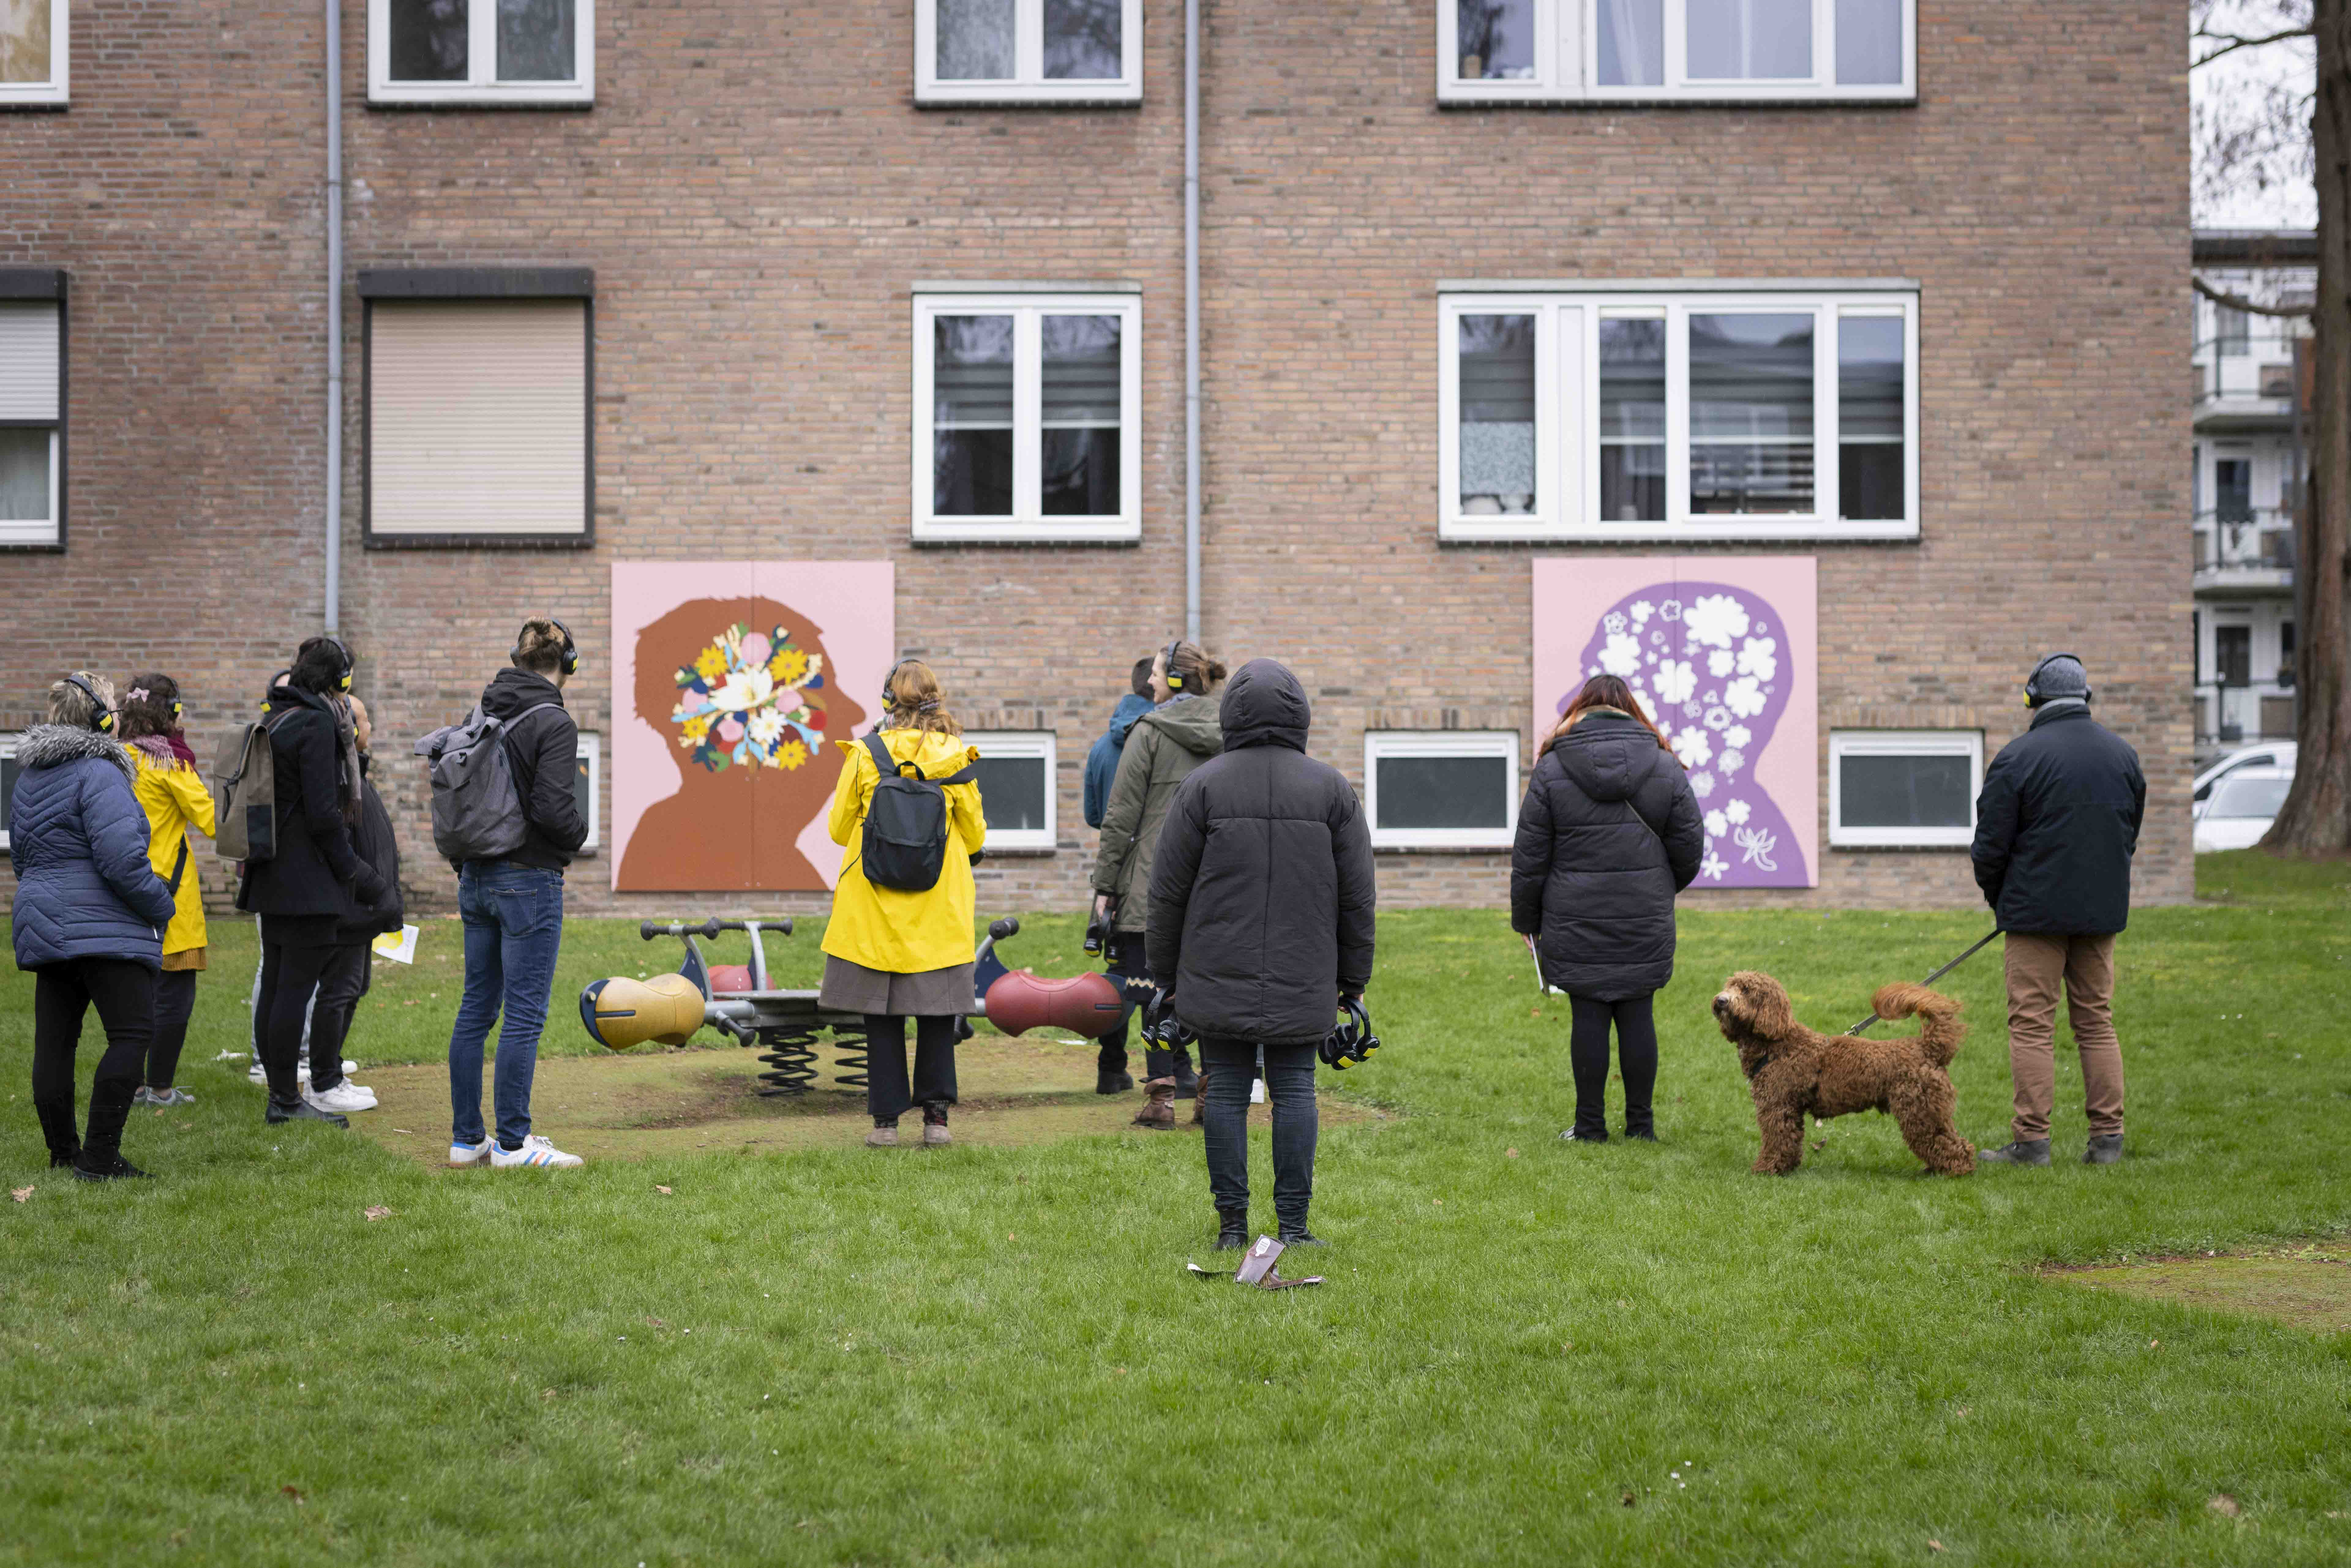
point(2240, 807)
point(2276, 754)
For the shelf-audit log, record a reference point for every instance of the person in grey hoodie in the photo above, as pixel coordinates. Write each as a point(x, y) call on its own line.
point(1608, 834)
point(1165, 744)
point(88, 919)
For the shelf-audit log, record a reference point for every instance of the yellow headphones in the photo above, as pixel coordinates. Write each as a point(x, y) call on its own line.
point(103, 721)
point(1167, 660)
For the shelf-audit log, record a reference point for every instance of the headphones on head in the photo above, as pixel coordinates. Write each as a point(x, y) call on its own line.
point(342, 681)
point(2033, 681)
point(571, 649)
point(890, 685)
point(1167, 666)
point(102, 720)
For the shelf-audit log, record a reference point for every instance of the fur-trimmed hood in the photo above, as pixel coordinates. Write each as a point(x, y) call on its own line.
point(53, 745)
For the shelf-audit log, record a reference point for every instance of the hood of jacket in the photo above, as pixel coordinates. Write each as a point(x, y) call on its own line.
point(511, 690)
point(1265, 705)
point(1606, 754)
point(2057, 708)
point(1130, 711)
point(53, 745)
point(1191, 723)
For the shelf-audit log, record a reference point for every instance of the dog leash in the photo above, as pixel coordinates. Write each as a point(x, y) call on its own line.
point(1981, 942)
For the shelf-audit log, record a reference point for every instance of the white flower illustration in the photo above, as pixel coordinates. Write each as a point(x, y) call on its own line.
point(1701, 784)
point(1720, 661)
point(1760, 657)
point(765, 727)
point(1737, 735)
point(744, 690)
point(1743, 696)
point(1622, 656)
point(1693, 748)
point(1675, 681)
point(1642, 611)
point(1731, 761)
point(1717, 718)
point(1716, 824)
point(1671, 609)
point(1716, 619)
point(1712, 866)
point(1737, 810)
point(1613, 622)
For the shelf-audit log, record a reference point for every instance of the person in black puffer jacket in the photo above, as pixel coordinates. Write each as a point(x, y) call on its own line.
point(313, 884)
point(1608, 834)
point(1261, 906)
point(352, 969)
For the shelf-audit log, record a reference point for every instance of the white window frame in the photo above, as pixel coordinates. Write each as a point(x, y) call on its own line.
point(1007, 745)
point(55, 90)
point(1567, 64)
point(1028, 523)
point(48, 533)
point(1387, 743)
point(481, 55)
point(9, 739)
point(1843, 743)
point(1028, 84)
point(1567, 399)
point(591, 747)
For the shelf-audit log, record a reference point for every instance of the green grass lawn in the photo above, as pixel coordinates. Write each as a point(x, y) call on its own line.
point(1527, 1350)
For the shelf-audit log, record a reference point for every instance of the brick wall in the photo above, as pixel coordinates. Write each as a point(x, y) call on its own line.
point(757, 192)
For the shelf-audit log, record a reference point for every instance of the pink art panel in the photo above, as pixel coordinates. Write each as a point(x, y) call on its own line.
point(1722, 651)
point(731, 680)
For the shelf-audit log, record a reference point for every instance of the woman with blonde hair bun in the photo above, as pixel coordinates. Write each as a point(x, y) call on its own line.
point(893, 953)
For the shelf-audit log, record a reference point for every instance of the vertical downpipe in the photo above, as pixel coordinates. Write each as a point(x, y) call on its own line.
point(334, 316)
point(1192, 320)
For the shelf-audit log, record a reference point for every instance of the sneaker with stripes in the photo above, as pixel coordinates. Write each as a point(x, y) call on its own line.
point(534, 1150)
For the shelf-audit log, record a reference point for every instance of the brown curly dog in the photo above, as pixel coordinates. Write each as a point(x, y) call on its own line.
point(1791, 1069)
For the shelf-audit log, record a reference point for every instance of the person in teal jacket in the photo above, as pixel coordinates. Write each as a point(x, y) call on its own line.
point(1102, 759)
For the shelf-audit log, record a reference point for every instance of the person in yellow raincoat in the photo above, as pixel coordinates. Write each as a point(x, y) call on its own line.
point(172, 791)
point(891, 954)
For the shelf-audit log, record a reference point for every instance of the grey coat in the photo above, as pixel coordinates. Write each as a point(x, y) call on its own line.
point(78, 840)
point(1161, 751)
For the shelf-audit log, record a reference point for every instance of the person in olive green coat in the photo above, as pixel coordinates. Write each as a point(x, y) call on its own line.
point(1162, 749)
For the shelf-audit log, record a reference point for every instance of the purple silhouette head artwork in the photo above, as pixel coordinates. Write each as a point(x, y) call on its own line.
point(1707, 662)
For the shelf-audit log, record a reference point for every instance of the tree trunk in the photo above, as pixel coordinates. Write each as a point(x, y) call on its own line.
point(2316, 817)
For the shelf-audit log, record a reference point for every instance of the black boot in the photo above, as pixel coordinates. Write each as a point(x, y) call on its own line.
point(1232, 1230)
point(2019, 1153)
point(105, 1167)
point(1187, 1080)
point(2104, 1150)
point(1297, 1235)
point(300, 1110)
point(1111, 1076)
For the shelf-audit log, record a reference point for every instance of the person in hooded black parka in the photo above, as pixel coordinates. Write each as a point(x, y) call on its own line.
point(1608, 834)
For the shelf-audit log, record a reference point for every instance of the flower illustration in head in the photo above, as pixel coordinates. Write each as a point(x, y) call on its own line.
point(742, 702)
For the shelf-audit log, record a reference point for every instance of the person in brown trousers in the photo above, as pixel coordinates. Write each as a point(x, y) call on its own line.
point(2056, 826)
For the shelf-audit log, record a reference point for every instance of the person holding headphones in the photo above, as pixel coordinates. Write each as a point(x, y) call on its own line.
point(2056, 826)
point(512, 907)
point(305, 891)
point(894, 953)
point(88, 919)
point(172, 792)
point(1164, 748)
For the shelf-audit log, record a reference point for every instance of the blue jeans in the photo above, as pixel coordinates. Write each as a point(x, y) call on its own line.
point(513, 928)
point(1231, 1065)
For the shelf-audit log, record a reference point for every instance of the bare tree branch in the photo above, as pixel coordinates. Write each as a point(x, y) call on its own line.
point(2239, 302)
point(2231, 43)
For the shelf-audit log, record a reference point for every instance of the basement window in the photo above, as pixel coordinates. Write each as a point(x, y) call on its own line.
point(481, 51)
point(1734, 51)
point(1441, 789)
point(7, 783)
point(587, 786)
point(1016, 788)
point(1016, 52)
point(1904, 789)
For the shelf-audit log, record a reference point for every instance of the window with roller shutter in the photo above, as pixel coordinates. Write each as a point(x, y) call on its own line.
point(32, 407)
point(478, 398)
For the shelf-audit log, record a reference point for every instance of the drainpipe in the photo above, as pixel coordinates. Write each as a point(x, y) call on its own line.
point(334, 316)
point(1192, 320)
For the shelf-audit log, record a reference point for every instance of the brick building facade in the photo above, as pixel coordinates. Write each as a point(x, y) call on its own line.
point(760, 197)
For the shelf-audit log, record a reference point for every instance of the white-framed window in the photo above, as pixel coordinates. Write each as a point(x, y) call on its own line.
point(1441, 788)
point(481, 51)
point(1897, 789)
point(1016, 787)
point(7, 783)
point(1028, 417)
point(1550, 51)
point(1028, 51)
point(588, 785)
point(32, 419)
point(33, 39)
point(1659, 411)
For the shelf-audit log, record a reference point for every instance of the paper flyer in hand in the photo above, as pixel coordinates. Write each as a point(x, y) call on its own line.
point(400, 948)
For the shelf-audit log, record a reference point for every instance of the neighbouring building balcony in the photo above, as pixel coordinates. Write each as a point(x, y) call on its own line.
point(2247, 551)
point(2231, 715)
point(2244, 382)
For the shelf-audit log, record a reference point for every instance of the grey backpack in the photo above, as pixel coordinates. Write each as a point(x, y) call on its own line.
point(478, 811)
point(245, 789)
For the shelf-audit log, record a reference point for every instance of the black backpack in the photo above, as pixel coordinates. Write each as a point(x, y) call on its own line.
point(906, 825)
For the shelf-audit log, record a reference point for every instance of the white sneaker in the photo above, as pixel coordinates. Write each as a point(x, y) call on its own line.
point(342, 1099)
point(534, 1150)
point(256, 1073)
point(462, 1154)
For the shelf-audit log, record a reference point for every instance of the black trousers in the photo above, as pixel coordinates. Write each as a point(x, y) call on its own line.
point(123, 992)
point(1637, 1051)
point(1231, 1067)
point(1128, 964)
point(288, 975)
point(175, 1000)
point(341, 984)
point(886, 1094)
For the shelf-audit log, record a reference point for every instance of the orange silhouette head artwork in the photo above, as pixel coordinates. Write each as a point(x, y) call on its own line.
point(743, 695)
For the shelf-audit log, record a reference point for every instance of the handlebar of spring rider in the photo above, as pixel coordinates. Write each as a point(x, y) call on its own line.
point(650, 929)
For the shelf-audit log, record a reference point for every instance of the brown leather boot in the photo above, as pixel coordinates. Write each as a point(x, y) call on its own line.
point(1158, 1111)
point(1200, 1095)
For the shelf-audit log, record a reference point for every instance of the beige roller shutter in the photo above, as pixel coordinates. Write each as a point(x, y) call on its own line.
point(29, 359)
point(477, 416)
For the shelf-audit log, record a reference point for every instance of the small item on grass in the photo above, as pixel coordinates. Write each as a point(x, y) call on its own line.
point(661, 1189)
point(1257, 1270)
point(400, 946)
point(2224, 1505)
point(378, 1211)
point(1510, 1154)
point(1934, 1545)
point(290, 1491)
point(21, 1194)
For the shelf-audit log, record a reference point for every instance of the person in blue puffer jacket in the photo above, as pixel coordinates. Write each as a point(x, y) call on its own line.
point(1101, 757)
point(89, 918)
